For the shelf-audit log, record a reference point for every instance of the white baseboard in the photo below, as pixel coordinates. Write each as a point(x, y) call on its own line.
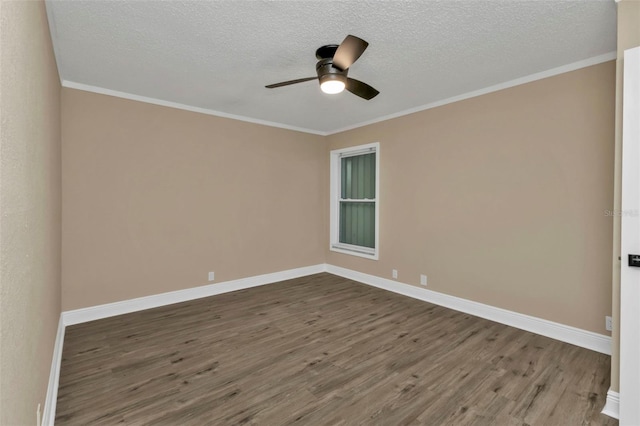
point(49, 412)
point(78, 316)
point(565, 333)
point(612, 407)
point(575, 336)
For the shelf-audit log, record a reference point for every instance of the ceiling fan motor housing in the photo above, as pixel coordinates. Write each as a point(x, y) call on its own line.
point(327, 72)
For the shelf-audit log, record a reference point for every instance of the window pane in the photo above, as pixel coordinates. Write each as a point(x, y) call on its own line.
point(357, 224)
point(358, 176)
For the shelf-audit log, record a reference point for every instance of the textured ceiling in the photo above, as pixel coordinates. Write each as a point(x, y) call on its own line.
point(219, 55)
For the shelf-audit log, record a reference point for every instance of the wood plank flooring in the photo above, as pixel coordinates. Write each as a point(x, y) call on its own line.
point(322, 350)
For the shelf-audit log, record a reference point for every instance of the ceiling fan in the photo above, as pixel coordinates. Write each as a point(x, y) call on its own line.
point(333, 66)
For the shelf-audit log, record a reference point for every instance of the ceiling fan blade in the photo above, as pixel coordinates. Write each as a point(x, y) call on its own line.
point(348, 52)
point(361, 89)
point(286, 83)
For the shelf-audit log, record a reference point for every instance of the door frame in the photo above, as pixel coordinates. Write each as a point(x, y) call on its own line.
point(630, 243)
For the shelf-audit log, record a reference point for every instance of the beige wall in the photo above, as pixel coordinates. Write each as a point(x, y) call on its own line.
point(29, 209)
point(154, 198)
point(500, 198)
point(628, 37)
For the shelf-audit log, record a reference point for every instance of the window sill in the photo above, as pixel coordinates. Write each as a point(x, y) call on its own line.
point(355, 251)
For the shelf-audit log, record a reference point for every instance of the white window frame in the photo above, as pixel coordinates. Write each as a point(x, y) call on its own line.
point(334, 214)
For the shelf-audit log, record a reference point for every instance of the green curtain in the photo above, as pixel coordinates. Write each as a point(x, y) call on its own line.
point(358, 219)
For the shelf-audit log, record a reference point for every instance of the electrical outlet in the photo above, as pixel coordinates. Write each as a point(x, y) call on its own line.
point(608, 323)
point(423, 280)
point(212, 276)
point(394, 274)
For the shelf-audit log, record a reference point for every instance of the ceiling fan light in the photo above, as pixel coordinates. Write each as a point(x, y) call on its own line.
point(332, 86)
point(332, 83)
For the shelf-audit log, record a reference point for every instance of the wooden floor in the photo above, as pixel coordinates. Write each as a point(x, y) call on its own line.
point(322, 350)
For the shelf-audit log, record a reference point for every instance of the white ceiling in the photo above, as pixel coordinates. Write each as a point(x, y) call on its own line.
point(218, 55)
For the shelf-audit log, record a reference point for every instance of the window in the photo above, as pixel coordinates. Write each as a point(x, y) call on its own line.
point(354, 200)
